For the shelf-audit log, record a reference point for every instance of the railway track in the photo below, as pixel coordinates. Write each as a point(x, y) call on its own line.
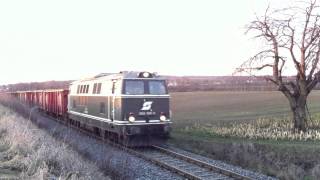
point(185, 166)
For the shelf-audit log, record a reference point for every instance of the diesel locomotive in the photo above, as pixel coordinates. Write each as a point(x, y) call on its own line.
point(129, 107)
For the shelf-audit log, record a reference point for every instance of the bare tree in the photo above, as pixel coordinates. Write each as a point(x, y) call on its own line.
point(291, 38)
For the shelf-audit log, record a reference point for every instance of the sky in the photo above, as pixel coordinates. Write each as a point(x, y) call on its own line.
point(64, 39)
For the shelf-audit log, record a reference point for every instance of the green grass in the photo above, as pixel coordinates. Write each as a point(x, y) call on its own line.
point(210, 108)
point(196, 112)
point(206, 109)
point(198, 135)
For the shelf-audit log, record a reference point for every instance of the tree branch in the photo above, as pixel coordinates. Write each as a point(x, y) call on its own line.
point(314, 82)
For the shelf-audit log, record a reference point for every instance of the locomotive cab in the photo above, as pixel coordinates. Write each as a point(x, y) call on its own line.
point(145, 101)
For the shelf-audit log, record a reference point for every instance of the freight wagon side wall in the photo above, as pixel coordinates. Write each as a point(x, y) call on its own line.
point(51, 101)
point(56, 102)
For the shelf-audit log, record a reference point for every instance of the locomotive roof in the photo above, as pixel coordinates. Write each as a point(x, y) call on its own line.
point(120, 75)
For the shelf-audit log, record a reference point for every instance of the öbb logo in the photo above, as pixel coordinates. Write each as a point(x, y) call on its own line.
point(146, 106)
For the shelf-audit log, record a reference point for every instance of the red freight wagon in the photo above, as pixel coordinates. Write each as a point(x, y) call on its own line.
point(53, 101)
point(27, 97)
point(23, 96)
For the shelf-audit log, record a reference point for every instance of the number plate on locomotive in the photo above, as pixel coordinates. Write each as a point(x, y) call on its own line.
point(149, 113)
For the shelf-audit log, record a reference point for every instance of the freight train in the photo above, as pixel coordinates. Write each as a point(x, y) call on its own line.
point(129, 107)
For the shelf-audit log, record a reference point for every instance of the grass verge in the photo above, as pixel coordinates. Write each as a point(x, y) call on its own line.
point(285, 159)
point(27, 152)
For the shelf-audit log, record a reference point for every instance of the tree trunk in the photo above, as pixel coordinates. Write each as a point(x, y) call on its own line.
point(298, 108)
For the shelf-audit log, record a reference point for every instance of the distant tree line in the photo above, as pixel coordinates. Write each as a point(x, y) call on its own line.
point(175, 84)
point(35, 86)
point(221, 83)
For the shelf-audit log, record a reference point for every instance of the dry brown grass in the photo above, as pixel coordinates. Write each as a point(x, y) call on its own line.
point(262, 128)
point(110, 161)
point(27, 152)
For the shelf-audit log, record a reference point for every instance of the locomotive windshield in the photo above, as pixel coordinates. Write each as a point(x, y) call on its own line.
point(139, 87)
point(134, 87)
point(157, 87)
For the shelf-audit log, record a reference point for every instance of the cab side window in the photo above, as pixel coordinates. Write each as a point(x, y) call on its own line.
point(98, 88)
point(94, 88)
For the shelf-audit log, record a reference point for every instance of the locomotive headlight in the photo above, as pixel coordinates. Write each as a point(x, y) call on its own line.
point(145, 74)
point(131, 118)
point(163, 118)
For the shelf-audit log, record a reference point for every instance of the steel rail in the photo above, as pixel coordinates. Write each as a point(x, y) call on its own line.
point(206, 165)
